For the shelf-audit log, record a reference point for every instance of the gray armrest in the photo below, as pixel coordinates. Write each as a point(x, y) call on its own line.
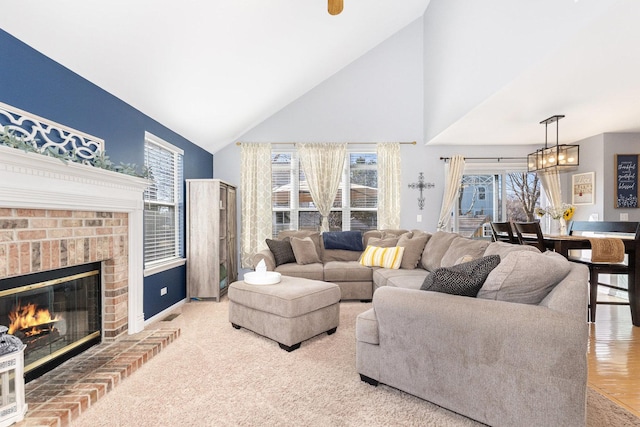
point(268, 258)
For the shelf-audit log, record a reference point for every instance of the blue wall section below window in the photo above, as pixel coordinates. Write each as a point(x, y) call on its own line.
point(173, 280)
point(35, 83)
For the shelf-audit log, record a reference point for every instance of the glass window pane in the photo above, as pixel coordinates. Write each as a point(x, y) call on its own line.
point(476, 204)
point(363, 180)
point(364, 220)
point(523, 196)
point(281, 221)
point(310, 220)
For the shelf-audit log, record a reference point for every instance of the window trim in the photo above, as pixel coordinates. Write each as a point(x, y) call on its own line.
point(178, 259)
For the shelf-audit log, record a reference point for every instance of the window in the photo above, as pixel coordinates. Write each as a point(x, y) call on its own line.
point(510, 194)
point(354, 208)
point(163, 202)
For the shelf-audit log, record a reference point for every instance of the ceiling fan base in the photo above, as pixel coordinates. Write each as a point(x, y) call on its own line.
point(335, 7)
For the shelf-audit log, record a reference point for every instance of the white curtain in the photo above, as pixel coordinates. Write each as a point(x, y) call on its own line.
point(388, 185)
point(451, 189)
point(552, 187)
point(255, 186)
point(322, 164)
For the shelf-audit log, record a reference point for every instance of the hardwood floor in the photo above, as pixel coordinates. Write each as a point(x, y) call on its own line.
point(614, 356)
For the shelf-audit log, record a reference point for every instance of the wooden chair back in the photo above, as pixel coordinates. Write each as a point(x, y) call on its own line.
point(503, 232)
point(530, 233)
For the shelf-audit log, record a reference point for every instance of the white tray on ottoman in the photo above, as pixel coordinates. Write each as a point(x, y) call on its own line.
point(289, 312)
point(266, 278)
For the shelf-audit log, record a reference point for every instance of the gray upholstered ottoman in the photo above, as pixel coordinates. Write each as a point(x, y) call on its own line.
point(289, 312)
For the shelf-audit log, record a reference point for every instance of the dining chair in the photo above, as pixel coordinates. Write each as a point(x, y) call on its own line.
point(503, 232)
point(530, 233)
point(608, 229)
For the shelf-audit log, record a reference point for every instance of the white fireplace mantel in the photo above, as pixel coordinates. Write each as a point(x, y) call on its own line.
point(35, 181)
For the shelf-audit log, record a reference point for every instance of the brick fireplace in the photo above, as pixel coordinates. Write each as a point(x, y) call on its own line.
point(55, 214)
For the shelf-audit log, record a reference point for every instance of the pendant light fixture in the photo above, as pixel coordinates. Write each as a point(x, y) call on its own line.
point(561, 157)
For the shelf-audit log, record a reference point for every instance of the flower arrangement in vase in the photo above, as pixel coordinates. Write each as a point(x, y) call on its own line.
point(558, 216)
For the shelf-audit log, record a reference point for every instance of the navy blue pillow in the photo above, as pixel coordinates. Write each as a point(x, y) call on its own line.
point(348, 240)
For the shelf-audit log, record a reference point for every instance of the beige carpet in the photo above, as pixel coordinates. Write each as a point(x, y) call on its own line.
point(214, 375)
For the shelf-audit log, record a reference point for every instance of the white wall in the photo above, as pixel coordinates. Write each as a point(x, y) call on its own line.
point(461, 51)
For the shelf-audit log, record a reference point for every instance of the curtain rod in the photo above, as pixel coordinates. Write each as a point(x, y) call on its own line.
point(487, 158)
point(349, 143)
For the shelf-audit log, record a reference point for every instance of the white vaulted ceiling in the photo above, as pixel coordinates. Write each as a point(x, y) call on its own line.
point(211, 69)
point(208, 69)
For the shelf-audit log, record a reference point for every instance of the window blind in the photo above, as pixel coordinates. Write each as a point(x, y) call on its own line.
point(163, 203)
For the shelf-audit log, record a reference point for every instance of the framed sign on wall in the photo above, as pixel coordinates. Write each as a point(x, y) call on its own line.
point(582, 189)
point(626, 170)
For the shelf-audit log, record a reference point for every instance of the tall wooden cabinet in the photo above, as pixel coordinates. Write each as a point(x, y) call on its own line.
point(212, 255)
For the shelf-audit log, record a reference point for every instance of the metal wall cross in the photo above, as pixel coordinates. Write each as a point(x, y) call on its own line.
point(421, 185)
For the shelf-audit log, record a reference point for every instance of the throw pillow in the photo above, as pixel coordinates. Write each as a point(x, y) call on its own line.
point(413, 247)
point(282, 251)
point(464, 279)
point(347, 240)
point(304, 250)
point(525, 277)
point(374, 256)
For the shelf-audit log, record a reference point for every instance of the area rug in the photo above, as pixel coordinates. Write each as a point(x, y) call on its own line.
point(214, 375)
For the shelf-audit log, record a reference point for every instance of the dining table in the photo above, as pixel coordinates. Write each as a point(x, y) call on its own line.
point(564, 243)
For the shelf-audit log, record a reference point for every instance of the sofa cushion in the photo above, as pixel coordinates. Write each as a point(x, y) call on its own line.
point(375, 256)
point(386, 242)
point(503, 248)
point(281, 250)
point(435, 249)
point(305, 250)
point(398, 278)
point(413, 245)
point(464, 279)
point(462, 246)
point(307, 271)
point(347, 240)
point(525, 277)
point(346, 271)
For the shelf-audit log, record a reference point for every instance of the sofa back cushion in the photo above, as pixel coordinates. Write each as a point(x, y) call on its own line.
point(413, 244)
point(435, 249)
point(525, 277)
point(462, 247)
point(503, 248)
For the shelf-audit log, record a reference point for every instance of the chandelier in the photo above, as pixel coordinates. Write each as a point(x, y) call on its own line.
point(560, 157)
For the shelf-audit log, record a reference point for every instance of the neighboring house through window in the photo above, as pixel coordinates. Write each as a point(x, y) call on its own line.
point(354, 207)
point(163, 202)
point(494, 192)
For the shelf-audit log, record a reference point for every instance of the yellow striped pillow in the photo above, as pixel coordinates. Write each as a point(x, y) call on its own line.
point(374, 256)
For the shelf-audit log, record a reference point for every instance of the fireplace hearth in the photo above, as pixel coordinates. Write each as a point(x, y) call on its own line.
point(56, 314)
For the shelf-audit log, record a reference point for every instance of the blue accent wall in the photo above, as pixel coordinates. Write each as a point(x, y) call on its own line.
point(35, 83)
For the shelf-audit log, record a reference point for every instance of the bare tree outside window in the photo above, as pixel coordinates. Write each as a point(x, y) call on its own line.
point(523, 190)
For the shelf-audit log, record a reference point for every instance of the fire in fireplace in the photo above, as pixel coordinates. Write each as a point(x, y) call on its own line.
point(56, 314)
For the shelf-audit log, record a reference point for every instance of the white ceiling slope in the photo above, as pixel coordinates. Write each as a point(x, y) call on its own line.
point(208, 69)
point(592, 77)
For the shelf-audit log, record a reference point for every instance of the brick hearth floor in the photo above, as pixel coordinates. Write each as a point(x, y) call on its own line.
point(61, 395)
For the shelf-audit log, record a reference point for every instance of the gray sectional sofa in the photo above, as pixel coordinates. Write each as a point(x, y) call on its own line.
point(513, 356)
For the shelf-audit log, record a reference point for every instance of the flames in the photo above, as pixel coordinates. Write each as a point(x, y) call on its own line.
point(28, 318)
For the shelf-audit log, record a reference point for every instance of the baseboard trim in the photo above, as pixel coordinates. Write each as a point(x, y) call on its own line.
point(164, 312)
